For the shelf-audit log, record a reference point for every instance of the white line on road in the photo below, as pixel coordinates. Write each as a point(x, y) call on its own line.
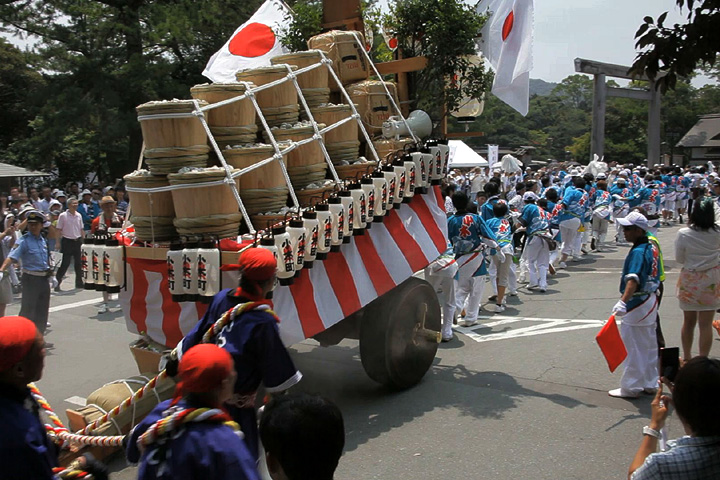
point(547, 325)
point(68, 306)
point(75, 400)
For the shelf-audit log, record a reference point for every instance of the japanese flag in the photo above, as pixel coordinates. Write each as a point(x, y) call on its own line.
point(507, 44)
point(390, 39)
point(252, 45)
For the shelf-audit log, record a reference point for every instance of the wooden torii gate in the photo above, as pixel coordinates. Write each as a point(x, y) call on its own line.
point(601, 91)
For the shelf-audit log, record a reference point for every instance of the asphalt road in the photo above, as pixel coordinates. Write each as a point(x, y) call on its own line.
point(523, 396)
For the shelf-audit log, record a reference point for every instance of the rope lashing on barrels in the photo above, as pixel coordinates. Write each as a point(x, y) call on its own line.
point(250, 94)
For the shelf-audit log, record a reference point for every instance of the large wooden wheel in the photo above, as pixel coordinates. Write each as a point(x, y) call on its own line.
point(399, 334)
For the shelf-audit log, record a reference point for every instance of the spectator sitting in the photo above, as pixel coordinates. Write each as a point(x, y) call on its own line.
point(303, 436)
point(696, 455)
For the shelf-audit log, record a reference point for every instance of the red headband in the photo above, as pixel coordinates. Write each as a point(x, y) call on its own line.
point(202, 369)
point(17, 335)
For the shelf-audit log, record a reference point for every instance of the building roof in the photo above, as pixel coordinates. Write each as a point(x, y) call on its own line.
point(705, 133)
point(7, 170)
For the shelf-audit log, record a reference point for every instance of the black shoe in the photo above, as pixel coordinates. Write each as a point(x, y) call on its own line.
point(492, 299)
point(57, 289)
point(681, 220)
point(593, 244)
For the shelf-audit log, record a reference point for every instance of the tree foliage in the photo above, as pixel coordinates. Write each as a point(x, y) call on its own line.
point(100, 59)
point(680, 49)
point(558, 125)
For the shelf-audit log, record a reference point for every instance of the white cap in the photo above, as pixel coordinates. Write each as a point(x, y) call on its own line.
point(529, 196)
point(60, 193)
point(601, 176)
point(634, 218)
point(85, 192)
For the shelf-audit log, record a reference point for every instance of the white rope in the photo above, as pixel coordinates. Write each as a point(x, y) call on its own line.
point(392, 100)
point(349, 101)
point(111, 419)
point(318, 134)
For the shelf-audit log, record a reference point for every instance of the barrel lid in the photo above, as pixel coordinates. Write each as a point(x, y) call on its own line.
point(209, 244)
point(367, 180)
point(112, 242)
point(176, 246)
point(387, 168)
point(310, 214)
point(334, 200)
point(278, 229)
point(88, 241)
point(251, 72)
point(168, 106)
point(443, 141)
point(267, 241)
point(322, 207)
point(354, 185)
point(431, 143)
point(344, 193)
point(191, 244)
point(221, 87)
point(296, 222)
point(398, 162)
point(100, 240)
point(407, 158)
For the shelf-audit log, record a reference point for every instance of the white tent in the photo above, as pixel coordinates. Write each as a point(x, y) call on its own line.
point(462, 156)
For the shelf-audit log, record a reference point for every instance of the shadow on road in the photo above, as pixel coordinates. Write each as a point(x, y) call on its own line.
point(371, 409)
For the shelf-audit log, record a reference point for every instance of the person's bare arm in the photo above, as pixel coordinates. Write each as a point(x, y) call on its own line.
point(660, 409)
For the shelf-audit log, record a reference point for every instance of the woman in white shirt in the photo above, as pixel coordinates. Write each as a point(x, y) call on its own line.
point(697, 248)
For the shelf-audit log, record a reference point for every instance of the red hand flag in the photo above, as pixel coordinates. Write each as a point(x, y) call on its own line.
point(611, 344)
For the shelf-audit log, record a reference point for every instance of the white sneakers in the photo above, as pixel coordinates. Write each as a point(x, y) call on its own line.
point(561, 266)
point(499, 308)
point(622, 393)
point(103, 308)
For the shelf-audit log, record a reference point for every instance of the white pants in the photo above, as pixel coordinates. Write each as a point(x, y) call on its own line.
point(469, 289)
point(568, 233)
point(538, 259)
point(638, 334)
point(587, 233)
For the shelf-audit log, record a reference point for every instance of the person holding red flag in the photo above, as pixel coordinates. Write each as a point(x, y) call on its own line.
point(241, 321)
point(192, 435)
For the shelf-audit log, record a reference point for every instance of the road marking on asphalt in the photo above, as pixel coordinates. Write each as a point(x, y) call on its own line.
point(543, 326)
point(75, 400)
point(68, 306)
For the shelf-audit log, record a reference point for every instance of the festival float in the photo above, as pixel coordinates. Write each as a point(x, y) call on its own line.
point(308, 158)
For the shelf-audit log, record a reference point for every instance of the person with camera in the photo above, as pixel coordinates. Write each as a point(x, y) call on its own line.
point(695, 455)
point(33, 253)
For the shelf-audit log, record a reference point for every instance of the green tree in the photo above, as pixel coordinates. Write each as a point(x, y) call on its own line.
point(105, 57)
point(678, 50)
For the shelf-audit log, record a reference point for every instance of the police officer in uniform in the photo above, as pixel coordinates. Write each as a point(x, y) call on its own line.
point(33, 253)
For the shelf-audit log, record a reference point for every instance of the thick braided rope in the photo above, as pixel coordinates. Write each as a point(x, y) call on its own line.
point(229, 316)
point(67, 473)
point(188, 415)
point(60, 434)
point(127, 403)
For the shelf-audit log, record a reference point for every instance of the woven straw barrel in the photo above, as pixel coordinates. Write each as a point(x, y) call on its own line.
point(306, 163)
point(355, 170)
point(341, 142)
point(202, 201)
point(146, 204)
point(386, 146)
point(263, 189)
point(372, 102)
point(279, 104)
point(172, 142)
point(347, 55)
point(315, 78)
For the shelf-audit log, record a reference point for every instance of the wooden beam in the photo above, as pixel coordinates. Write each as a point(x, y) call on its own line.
point(628, 93)
point(465, 134)
point(404, 65)
point(610, 69)
point(350, 23)
point(597, 139)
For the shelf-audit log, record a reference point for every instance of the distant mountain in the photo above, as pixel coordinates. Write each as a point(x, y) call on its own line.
point(541, 87)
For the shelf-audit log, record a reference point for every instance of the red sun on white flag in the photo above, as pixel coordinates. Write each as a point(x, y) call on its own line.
point(508, 25)
point(252, 41)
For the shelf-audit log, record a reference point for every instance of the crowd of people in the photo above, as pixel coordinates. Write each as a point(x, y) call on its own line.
point(39, 221)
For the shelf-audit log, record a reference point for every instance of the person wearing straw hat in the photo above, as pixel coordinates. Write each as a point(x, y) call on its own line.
point(251, 337)
point(33, 252)
point(87, 208)
point(192, 435)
